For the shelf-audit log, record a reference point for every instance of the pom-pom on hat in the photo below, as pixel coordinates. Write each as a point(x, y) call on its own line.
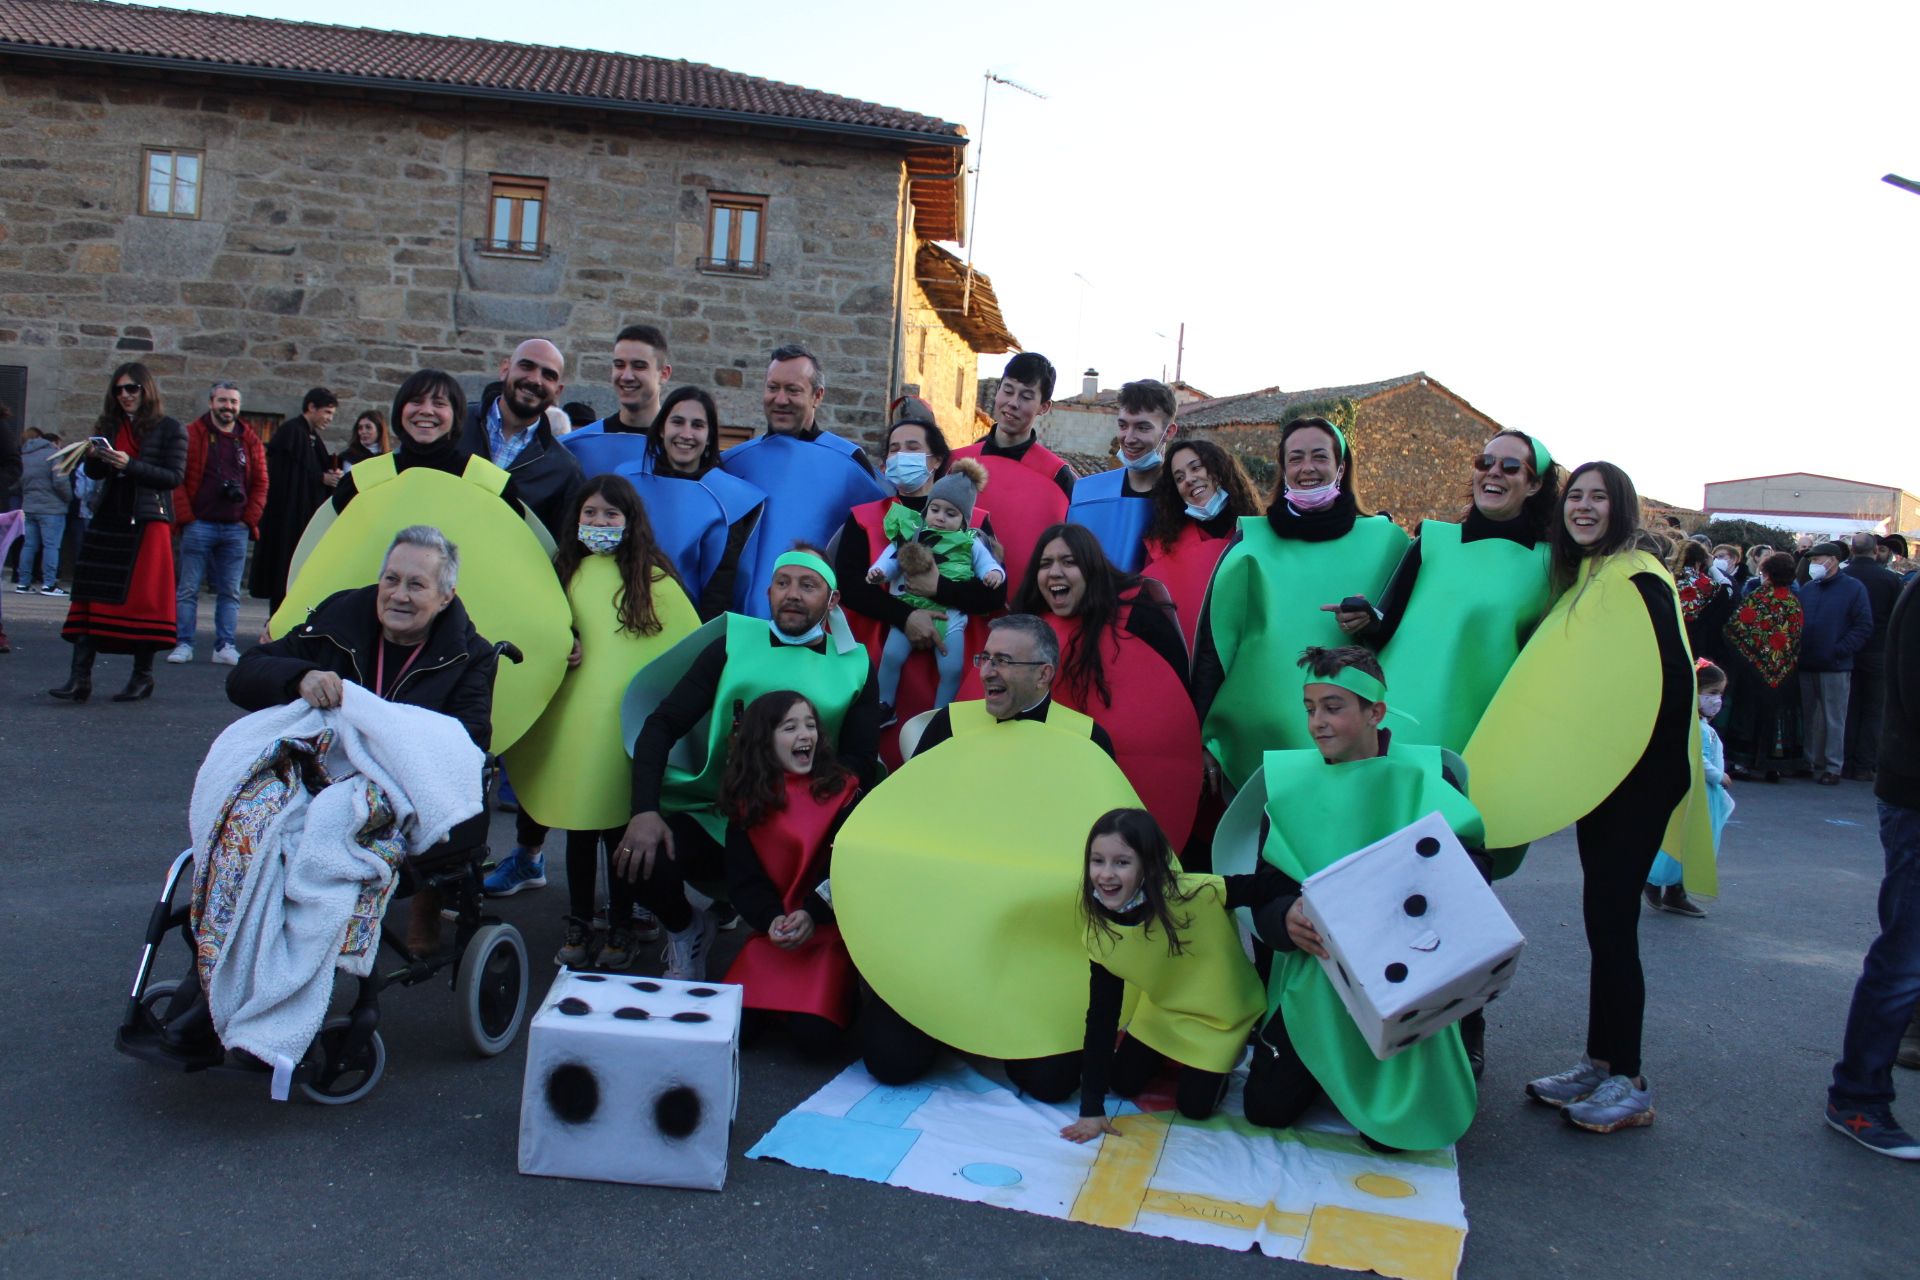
point(961, 486)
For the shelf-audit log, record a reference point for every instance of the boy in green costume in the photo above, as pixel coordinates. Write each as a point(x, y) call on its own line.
point(1423, 1097)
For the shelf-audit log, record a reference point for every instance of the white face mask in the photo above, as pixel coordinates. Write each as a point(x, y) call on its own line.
point(1211, 509)
point(1145, 462)
point(1723, 564)
point(1710, 705)
point(1815, 572)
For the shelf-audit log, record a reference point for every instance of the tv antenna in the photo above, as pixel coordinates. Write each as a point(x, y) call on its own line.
point(991, 78)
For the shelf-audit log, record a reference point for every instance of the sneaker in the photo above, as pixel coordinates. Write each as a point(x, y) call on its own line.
point(226, 656)
point(519, 870)
point(1677, 901)
point(687, 950)
point(1570, 1085)
point(573, 952)
point(617, 951)
point(23, 588)
point(1617, 1104)
point(726, 919)
point(1652, 894)
point(181, 653)
point(1874, 1128)
point(646, 925)
point(51, 590)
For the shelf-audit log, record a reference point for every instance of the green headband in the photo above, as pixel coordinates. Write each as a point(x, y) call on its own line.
point(808, 560)
point(1352, 679)
point(1542, 460)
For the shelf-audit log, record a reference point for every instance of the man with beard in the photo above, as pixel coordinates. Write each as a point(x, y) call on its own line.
point(511, 429)
point(217, 509)
point(678, 830)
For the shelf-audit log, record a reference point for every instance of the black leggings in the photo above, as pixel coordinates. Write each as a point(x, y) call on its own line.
point(897, 1052)
point(696, 856)
point(813, 1035)
point(1134, 1065)
point(1279, 1086)
point(583, 873)
point(527, 833)
point(1617, 843)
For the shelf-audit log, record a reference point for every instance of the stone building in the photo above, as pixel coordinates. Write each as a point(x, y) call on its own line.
point(1082, 423)
point(290, 204)
point(1414, 440)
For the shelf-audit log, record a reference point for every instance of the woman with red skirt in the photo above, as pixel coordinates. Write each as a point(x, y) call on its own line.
point(123, 595)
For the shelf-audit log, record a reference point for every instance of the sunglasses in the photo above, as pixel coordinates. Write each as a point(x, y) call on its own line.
point(127, 389)
point(1507, 466)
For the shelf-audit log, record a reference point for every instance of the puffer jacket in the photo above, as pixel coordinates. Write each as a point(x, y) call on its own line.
point(42, 493)
point(144, 491)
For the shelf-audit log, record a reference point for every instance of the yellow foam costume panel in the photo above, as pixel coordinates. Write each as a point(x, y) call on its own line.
point(507, 582)
point(571, 769)
point(957, 886)
point(1576, 713)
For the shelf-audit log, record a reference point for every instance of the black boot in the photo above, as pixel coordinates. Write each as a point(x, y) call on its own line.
point(1473, 1038)
point(79, 683)
point(140, 683)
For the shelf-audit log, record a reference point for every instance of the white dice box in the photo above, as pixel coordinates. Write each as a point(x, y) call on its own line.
point(632, 1079)
point(1416, 940)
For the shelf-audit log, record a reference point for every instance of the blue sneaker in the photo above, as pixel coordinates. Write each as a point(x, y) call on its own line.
point(521, 869)
point(1874, 1128)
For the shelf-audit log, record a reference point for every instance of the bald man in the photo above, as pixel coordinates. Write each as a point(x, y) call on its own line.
point(511, 430)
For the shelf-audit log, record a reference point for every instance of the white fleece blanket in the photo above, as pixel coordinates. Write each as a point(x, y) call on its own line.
point(270, 985)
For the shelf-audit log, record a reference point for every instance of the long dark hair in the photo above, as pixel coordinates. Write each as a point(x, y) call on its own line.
point(937, 447)
point(1170, 509)
point(1140, 833)
point(1623, 521)
point(1081, 665)
point(1342, 446)
point(150, 411)
point(656, 430)
point(379, 420)
point(1538, 511)
point(753, 786)
point(640, 559)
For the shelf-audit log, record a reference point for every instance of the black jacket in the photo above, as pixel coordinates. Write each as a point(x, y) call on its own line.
point(545, 476)
point(144, 491)
point(297, 463)
point(1883, 588)
point(1898, 781)
point(453, 674)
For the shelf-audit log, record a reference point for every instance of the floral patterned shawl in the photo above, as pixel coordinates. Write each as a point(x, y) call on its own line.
point(1765, 632)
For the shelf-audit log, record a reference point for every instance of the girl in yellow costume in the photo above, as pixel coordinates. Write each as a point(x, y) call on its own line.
point(1609, 670)
point(570, 770)
point(1168, 934)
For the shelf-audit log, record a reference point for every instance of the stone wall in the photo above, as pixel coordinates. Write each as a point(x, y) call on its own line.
point(939, 361)
point(336, 239)
point(1414, 445)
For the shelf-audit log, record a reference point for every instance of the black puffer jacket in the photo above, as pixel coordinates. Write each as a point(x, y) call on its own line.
point(453, 674)
point(144, 491)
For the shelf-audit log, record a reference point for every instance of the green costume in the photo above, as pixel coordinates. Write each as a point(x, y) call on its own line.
point(1423, 1097)
point(1263, 608)
point(569, 770)
point(1473, 606)
point(832, 681)
point(1198, 1006)
point(952, 553)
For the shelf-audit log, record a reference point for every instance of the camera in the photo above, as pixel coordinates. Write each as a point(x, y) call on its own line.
point(231, 492)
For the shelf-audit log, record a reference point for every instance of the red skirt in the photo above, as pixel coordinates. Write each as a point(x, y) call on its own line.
point(144, 621)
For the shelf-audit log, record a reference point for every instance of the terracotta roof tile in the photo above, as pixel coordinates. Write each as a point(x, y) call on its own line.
point(222, 42)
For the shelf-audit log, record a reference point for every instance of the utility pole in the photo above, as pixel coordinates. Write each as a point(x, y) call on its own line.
point(979, 157)
point(1180, 352)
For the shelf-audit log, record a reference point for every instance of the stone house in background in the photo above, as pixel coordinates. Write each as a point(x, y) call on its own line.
point(1414, 439)
point(1082, 423)
point(290, 204)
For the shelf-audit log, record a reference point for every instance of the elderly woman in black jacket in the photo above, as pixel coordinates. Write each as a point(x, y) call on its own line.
point(123, 597)
point(407, 639)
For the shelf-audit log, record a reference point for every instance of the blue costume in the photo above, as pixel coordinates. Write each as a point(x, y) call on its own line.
point(810, 485)
point(1118, 520)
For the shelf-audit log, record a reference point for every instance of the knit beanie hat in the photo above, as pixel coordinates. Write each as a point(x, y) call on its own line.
point(961, 485)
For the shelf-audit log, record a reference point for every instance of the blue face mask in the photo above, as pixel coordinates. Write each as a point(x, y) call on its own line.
point(810, 636)
point(602, 540)
point(1145, 462)
point(907, 471)
point(1213, 508)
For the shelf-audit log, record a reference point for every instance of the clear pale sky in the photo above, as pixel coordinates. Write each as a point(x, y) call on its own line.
point(1648, 232)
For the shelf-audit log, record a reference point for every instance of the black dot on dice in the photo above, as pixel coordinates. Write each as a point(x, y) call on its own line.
point(574, 1007)
point(644, 985)
point(1492, 996)
point(1502, 966)
point(589, 977)
point(573, 1093)
point(702, 992)
point(1453, 1003)
point(1404, 1043)
point(1409, 1015)
point(1426, 846)
point(1341, 969)
point(1396, 972)
point(691, 1017)
point(632, 1014)
point(677, 1111)
point(1416, 905)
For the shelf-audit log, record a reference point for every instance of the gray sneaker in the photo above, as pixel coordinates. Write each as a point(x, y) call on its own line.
point(687, 950)
point(1567, 1086)
point(1615, 1105)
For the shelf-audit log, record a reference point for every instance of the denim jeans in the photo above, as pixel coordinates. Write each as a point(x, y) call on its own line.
point(1889, 986)
point(208, 546)
point(41, 538)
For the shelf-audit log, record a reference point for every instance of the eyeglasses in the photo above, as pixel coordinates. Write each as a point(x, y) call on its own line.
point(127, 389)
point(1507, 466)
point(984, 660)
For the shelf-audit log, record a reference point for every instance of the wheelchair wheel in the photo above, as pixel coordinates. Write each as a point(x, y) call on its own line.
point(490, 991)
point(154, 1000)
point(357, 1074)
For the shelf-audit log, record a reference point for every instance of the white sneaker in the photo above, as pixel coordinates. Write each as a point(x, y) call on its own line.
point(687, 950)
point(226, 656)
point(181, 653)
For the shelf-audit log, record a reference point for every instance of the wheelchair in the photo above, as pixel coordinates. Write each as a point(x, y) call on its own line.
point(168, 1021)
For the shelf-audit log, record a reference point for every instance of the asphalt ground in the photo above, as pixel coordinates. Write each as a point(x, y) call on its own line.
point(116, 1166)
